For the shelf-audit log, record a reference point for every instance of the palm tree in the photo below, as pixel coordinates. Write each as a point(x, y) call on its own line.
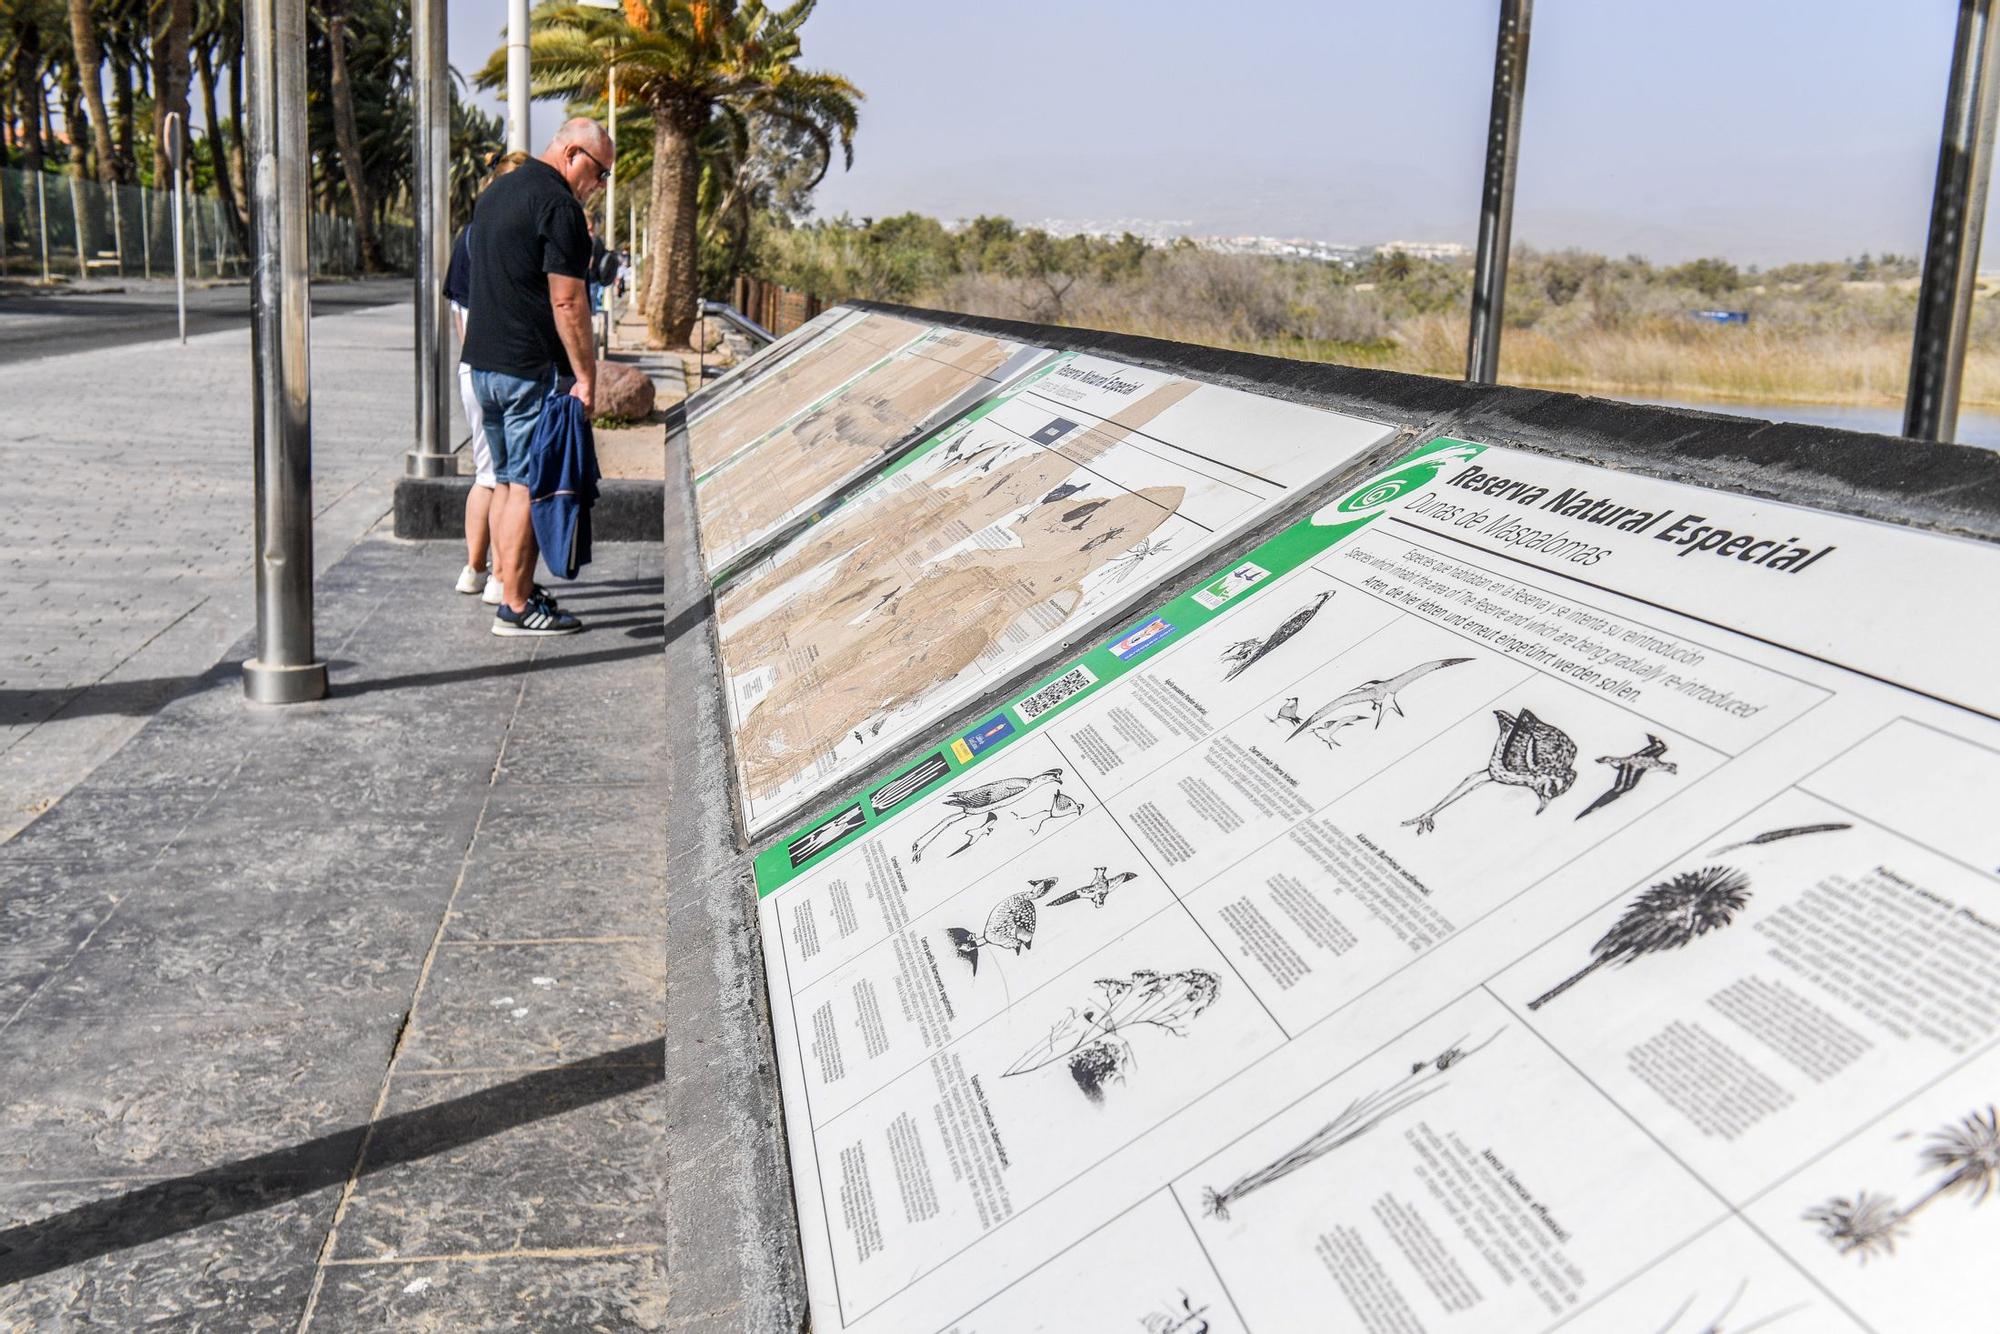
point(347, 134)
point(682, 60)
point(89, 60)
point(1665, 917)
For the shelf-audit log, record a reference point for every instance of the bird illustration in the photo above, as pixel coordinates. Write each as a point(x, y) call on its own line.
point(1529, 753)
point(1245, 653)
point(1098, 890)
point(1061, 806)
point(1103, 537)
point(1631, 768)
point(1010, 926)
point(1063, 492)
point(1376, 697)
point(1288, 712)
point(1078, 516)
point(974, 802)
point(981, 830)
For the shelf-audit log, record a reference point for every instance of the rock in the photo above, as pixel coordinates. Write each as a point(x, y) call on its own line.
point(705, 335)
point(624, 393)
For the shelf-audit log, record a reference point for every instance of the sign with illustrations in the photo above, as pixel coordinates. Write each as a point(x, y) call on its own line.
point(1014, 530)
point(1518, 896)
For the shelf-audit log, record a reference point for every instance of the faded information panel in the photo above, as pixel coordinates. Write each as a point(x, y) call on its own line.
point(1010, 533)
point(756, 493)
point(712, 395)
point(762, 404)
point(1521, 896)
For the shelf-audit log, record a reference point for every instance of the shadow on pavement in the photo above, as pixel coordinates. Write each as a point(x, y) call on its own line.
point(168, 1208)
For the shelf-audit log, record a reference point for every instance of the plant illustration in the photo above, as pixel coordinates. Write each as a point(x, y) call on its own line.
point(1966, 1158)
point(1355, 1120)
point(1095, 1040)
point(1668, 916)
point(1720, 1324)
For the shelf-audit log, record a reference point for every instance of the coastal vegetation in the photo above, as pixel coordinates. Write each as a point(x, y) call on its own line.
point(1834, 332)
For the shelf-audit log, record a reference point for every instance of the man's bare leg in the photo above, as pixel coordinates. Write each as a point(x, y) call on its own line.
point(514, 542)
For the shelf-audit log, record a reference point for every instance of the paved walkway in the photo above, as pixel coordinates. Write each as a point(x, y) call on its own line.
point(125, 557)
point(350, 1015)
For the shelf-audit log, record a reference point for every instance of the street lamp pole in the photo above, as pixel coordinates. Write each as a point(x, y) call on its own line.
point(517, 76)
point(1958, 213)
point(285, 670)
point(431, 455)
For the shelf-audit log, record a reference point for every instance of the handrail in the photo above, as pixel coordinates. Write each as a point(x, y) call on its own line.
point(750, 327)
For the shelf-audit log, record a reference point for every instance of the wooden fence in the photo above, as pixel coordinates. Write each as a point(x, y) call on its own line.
point(779, 309)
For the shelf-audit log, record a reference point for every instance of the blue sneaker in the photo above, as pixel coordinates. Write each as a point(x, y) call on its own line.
point(539, 618)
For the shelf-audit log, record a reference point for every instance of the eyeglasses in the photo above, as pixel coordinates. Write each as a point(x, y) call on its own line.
point(603, 172)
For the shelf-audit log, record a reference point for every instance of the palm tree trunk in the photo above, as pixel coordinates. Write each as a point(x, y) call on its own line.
point(170, 80)
point(28, 84)
point(236, 118)
point(128, 131)
point(205, 67)
point(348, 137)
point(1568, 982)
point(672, 300)
point(89, 65)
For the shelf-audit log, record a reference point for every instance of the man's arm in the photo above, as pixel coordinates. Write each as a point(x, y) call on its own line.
point(571, 299)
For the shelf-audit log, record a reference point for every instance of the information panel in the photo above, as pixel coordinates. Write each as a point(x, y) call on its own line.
point(766, 486)
point(1015, 530)
point(764, 360)
point(1521, 896)
point(765, 403)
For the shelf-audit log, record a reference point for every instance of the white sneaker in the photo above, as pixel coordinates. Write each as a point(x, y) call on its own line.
point(495, 593)
point(469, 579)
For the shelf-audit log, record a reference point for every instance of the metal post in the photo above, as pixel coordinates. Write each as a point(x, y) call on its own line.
point(611, 181)
point(1496, 200)
point(174, 149)
point(4, 247)
point(431, 455)
point(118, 224)
point(76, 221)
point(146, 232)
point(517, 77)
point(284, 670)
point(42, 220)
point(1958, 212)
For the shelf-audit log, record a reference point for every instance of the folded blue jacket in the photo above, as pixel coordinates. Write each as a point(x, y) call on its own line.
point(562, 483)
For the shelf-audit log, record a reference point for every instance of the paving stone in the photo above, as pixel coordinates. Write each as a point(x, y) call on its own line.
point(525, 818)
point(514, 1006)
point(204, 1255)
point(599, 1293)
point(48, 908)
point(585, 891)
point(560, 1159)
point(170, 1095)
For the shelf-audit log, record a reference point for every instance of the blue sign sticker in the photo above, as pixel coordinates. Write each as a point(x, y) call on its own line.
point(994, 729)
point(1147, 635)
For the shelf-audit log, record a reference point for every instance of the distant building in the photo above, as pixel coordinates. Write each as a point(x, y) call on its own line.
point(1425, 249)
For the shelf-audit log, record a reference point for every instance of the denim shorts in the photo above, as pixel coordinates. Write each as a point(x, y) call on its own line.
point(510, 407)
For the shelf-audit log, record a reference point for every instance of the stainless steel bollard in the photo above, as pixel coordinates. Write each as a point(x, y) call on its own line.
point(1958, 213)
point(284, 670)
point(1496, 199)
point(431, 455)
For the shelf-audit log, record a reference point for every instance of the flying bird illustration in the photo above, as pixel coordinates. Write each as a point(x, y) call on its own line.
point(1631, 768)
point(1063, 492)
point(1098, 890)
point(1370, 697)
point(1010, 926)
point(1245, 653)
point(974, 802)
point(1529, 753)
point(1079, 515)
point(977, 832)
point(1288, 712)
point(1061, 806)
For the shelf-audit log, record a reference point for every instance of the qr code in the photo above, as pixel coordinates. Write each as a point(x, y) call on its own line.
point(1055, 692)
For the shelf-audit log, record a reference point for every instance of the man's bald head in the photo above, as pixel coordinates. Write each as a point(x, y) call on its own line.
point(582, 152)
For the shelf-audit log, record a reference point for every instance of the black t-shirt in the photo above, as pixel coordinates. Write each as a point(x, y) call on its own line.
point(458, 273)
point(526, 226)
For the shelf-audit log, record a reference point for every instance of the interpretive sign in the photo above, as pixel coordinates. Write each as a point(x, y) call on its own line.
point(761, 405)
point(1017, 529)
point(712, 395)
point(752, 495)
point(1518, 896)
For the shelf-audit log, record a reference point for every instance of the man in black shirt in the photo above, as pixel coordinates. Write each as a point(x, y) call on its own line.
point(530, 252)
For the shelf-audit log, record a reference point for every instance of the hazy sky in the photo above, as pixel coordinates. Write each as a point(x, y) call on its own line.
point(1764, 130)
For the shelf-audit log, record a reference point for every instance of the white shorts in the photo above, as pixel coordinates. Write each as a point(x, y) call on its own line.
point(482, 456)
